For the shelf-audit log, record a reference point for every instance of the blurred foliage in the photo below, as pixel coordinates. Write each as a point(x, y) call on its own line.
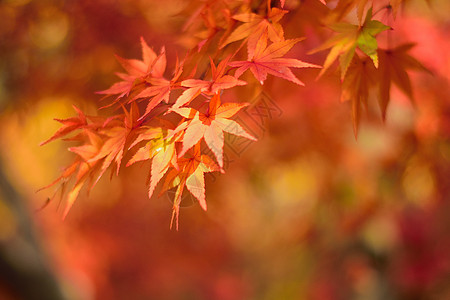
point(307, 212)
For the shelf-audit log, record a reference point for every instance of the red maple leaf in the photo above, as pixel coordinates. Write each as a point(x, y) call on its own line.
point(102, 145)
point(393, 66)
point(69, 125)
point(268, 60)
point(159, 88)
point(256, 27)
point(219, 81)
point(137, 70)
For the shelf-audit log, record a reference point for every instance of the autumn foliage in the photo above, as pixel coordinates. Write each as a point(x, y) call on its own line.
point(315, 133)
point(177, 116)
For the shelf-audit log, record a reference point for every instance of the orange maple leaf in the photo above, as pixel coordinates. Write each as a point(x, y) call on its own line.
point(159, 88)
point(158, 148)
point(151, 64)
point(210, 126)
point(256, 26)
point(115, 137)
point(102, 144)
point(190, 174)
point(268, 60)
point(69, 125)
point(219, 81)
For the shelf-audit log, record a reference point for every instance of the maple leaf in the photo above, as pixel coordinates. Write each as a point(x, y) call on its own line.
point(393, 65)
point(268, 60)
point(219, 81)
point(216, 17)
point(356, 85)
point(112, 149)
point(81, 122)
point(160, 149)
point(63, 179)
point(190, 174)
point(349, 37)
point(256, 27)
point(159, 88)
point(69, 125)
point(137, 70)
point(80, 169)
point(210, 126)
point(116, 136)
point(102, 144)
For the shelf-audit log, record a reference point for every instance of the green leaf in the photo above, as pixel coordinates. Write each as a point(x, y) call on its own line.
point(348, 38)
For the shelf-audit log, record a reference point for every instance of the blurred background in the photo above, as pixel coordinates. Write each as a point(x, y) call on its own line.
point(307, 212)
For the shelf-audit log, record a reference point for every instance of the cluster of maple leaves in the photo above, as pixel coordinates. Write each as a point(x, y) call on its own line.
point(228, 31)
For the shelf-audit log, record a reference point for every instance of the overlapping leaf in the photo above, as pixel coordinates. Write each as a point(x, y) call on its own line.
point(158, 88)
point(158, 148)
point(210, 126)
point(102, 145)
point(219, 81)
point(269, 60)
point(137, 70)
point(349, 37)
point(103, 141)
point(256, 26)
point(190, 174)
